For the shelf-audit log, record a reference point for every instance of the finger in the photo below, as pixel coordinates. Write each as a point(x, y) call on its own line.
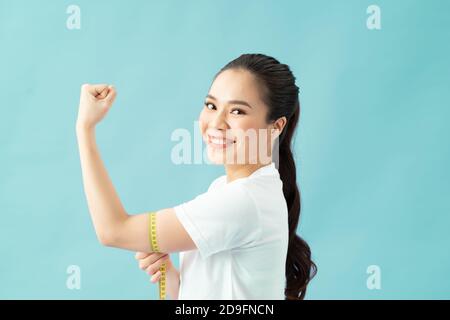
point(141, 255)
point(111, 94)
point(154, 278)
point(150, 260)
point(97, 89)
point(103, 93)
point(155, 266)
point(145, 262)
point(94, 89)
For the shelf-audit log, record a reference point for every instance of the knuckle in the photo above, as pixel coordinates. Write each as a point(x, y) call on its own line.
point(152, 269)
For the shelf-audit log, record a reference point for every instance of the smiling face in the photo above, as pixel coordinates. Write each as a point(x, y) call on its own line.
point(233, 120)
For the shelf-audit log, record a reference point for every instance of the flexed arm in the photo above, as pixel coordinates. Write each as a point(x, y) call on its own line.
point(113, 226)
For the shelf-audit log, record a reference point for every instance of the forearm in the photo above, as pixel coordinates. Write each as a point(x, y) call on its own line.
point(106, 210)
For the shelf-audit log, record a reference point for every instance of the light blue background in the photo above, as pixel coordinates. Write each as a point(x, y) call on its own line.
point(372, 148)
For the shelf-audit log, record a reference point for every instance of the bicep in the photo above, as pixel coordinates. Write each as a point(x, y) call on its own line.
point(171, 236)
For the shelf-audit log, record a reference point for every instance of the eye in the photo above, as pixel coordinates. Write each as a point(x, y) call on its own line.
point(239, 110)
point(209, 105)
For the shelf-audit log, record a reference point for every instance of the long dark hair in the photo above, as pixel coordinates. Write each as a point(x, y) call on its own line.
point(281, 97)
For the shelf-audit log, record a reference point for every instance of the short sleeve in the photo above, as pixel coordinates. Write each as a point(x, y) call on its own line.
point(216, 182)
point(220, 219)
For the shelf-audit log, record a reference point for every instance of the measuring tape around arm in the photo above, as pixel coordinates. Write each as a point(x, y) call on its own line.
point(154, 248)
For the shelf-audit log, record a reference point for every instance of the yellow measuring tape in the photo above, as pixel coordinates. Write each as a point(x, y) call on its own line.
point(154, 247)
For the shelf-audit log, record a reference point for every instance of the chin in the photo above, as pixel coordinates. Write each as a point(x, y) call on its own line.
point(217, 157)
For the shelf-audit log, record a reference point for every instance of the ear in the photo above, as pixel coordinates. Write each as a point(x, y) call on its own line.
point(279, 125)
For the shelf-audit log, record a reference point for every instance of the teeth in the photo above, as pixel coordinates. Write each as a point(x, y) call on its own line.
point(220, 141)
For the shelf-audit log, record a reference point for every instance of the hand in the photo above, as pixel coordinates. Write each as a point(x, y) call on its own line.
point(95, 102)
point(151, 262)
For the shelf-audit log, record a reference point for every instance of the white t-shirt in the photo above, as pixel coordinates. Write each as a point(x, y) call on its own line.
point(241, 233)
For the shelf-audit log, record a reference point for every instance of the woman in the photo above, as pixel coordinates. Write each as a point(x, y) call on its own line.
point(237, 240)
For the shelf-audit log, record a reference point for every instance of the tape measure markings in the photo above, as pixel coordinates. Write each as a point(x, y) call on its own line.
point(155, 248)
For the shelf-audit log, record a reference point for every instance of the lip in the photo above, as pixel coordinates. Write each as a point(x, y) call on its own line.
point(225, 142)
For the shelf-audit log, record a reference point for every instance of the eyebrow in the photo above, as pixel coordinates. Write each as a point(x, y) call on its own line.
point(233, 101)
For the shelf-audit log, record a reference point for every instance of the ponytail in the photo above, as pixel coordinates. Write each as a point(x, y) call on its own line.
point(300, 269)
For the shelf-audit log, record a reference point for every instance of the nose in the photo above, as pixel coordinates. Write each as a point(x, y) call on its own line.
point(218, 120)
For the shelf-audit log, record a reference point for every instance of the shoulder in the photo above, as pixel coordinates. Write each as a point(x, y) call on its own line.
point(229, 198)
point(222, 196)
point(217, 182)
point(237, 197)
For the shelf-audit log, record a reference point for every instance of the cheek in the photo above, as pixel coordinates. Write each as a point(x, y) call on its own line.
point(202, 122)
point(243, 126)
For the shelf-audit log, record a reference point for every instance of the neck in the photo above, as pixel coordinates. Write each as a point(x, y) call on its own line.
point(237, 171)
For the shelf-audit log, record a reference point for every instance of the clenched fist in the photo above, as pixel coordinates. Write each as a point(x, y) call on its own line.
point(95, 101)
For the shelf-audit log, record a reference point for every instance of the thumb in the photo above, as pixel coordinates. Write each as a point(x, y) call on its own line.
point(95, 89)
point(103, 94)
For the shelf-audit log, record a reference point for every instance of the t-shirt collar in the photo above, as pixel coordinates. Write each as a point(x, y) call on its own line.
point(265, 170)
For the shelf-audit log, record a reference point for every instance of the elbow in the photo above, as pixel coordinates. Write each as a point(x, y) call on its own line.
point(106, 239)
point(111, 234)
